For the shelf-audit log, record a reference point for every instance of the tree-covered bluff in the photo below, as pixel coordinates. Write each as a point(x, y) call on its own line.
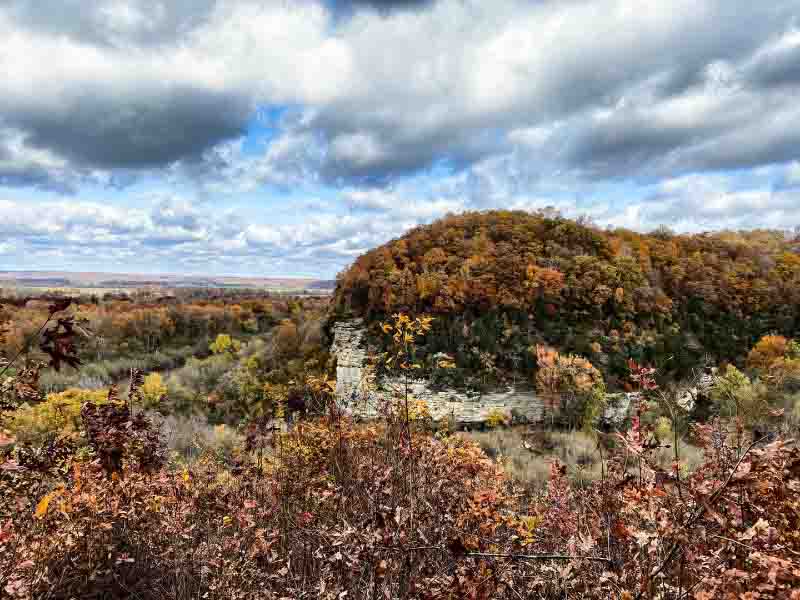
point(499, 282)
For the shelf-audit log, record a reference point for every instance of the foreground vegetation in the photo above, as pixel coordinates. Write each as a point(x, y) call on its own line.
point(335, 509)
point(98, 506)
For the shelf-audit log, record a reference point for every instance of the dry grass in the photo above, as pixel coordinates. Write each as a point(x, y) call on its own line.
point(527, 455)
point(190, 437)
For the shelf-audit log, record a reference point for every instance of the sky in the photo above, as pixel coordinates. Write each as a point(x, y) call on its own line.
point(286, 137)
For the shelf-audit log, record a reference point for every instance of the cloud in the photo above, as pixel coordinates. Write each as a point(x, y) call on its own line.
point(177, 234)
point(776, 63)
point(335, 125)
point(135, 103)
point(111, 22)
point(176, 212)
point(134, 85)
point(292, 159)
point(381, 6)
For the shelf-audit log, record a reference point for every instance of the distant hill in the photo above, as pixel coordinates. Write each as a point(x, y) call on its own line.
point(60, 279)
point(499, 281)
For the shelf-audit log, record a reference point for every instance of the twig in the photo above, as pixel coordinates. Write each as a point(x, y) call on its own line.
point(537, 556)
point(411, 548)
point(27, 344)
point(727, 539)
point(500, 555)
point(515, 591)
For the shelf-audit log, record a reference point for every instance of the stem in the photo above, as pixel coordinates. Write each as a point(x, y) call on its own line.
point(538, 556)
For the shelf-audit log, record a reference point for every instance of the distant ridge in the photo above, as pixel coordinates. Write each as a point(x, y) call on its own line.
point(91, 279)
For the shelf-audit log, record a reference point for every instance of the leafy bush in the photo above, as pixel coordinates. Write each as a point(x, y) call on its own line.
point(224, 343)
point(352, 512)
point(153, 390)
point(577, 384)
point(737, 396)
point(497, 418)
point(59, 414)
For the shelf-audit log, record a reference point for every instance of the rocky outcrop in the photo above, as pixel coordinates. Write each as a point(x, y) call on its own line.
point(348, 348)
point(457, 407)
point(617, 410)
point(461, 409)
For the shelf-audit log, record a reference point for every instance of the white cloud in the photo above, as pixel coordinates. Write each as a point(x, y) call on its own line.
point(391, 93)
point(623, 111)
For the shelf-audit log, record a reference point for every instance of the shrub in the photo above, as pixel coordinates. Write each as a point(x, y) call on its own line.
point(497, 418)
point(663, 429)
point(572, 379)
point(224, 343)
point(59, 414)
point(767, 351)
point(737, 396)
point(153, 390)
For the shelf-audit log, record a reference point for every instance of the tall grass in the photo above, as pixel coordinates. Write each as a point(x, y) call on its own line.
point(527, 455)
point(105, 372)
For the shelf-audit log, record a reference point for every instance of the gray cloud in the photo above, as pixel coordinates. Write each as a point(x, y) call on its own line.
point(346, 8)
point(136, 86)
point(776, 64)
point(111, 22)
point(146, 128)
point(375, 152)
point(503, 74)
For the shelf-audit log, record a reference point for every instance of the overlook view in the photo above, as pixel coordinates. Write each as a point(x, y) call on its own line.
point(400, 299)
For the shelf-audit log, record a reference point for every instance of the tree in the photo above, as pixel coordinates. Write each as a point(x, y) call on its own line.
point(768, 349)
point(225, 344)
point(574, 379)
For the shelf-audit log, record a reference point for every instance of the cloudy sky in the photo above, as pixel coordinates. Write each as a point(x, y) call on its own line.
point(285, 137)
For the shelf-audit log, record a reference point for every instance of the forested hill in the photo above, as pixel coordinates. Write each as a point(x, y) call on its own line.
point(507, 278)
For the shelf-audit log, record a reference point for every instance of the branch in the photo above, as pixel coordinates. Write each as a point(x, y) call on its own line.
point(538, 556)
point(27, 344)
point(701, 511)
point(500, 555)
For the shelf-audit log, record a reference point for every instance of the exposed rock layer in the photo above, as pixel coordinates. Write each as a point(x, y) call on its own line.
point(525, 406)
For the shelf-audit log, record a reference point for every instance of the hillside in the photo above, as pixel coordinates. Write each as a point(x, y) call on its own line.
point(501, 281)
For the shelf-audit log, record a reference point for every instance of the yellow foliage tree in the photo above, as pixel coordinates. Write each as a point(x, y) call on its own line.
point(571, 378)
point(768, 349)
point(225, 343)
point(497, 418)
point(153, 390)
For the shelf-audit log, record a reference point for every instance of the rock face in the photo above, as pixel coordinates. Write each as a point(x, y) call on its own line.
point(618, 407)
point(464, 411)
point(448, 404)
point(348, 347)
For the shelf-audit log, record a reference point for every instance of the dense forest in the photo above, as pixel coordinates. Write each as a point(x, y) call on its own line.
point(500, 282)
